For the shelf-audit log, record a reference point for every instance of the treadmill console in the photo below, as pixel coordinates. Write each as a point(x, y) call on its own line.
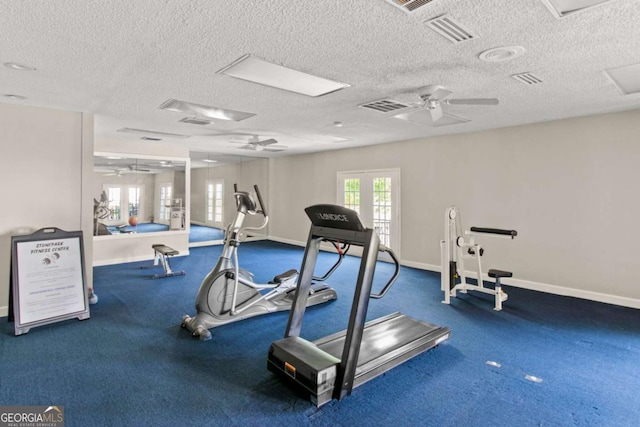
point(334, 216)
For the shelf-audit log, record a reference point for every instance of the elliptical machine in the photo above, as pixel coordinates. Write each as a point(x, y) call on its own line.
point(228, 293)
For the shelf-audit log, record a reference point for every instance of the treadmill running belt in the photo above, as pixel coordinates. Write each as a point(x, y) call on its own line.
point(386, 343)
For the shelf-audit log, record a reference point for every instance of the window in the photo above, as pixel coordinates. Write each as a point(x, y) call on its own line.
point(165, 202)
point(123, 202)
point(113, 194)
point(215, 197)
point(134, 201)
point(375, 196)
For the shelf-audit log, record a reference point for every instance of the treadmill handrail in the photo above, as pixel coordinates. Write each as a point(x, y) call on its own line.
point(395, 273)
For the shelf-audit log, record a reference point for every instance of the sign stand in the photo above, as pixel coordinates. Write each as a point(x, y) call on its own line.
point(48, 281)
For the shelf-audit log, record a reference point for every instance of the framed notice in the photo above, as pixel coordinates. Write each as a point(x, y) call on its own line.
point(48, 278)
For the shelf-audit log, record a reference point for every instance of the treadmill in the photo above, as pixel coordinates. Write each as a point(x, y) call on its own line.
point(329, 368)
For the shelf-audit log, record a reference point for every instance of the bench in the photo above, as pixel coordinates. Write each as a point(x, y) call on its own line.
point(161, 257)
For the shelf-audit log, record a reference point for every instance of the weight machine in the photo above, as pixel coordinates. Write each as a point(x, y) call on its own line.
point(458, 246)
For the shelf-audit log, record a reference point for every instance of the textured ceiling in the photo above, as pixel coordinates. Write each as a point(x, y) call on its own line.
point(120, 60)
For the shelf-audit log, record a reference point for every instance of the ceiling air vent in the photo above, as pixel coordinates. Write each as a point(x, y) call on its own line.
point(385, 105)
point(196, 121)
point(527, 78)
point(450, 29)
point(408, 5)
point(146, 138)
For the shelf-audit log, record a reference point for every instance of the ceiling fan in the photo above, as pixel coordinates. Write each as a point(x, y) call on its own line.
point(429, 109)
point(256, 144)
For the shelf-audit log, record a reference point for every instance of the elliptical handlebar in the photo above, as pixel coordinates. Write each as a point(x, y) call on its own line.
point(393, 278)
point(244, 198)
point(262, 208)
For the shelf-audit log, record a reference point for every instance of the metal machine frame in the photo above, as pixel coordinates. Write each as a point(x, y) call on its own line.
point(459, 245)
point(332, 366)
point(229, 294)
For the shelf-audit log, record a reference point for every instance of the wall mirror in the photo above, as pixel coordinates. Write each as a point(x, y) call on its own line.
point(135, 195)
point(213, 204)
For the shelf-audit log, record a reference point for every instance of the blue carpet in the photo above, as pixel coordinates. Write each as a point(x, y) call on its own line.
point(199, 233)
point(132, 365)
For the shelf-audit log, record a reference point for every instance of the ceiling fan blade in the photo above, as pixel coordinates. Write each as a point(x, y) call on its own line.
point(472, 101)
point(436, 112)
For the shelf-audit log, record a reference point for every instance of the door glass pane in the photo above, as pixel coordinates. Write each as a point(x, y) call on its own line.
point(352, 194)
point(382, 208)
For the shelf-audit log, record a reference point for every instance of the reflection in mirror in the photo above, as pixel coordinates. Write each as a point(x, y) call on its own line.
point(213, 205)
point(138, 195)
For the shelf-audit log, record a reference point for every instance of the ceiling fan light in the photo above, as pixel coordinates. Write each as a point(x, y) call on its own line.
point(256, 70)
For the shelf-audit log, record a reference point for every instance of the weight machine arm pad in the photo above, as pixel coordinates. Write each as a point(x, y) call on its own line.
point(511, 233)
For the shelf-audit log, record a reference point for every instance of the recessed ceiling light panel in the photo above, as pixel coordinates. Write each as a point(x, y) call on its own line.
point(626, 78)
point(562, 8)
point(152, 132)
point(204, 110)
point(266, 73)
point(501, 54)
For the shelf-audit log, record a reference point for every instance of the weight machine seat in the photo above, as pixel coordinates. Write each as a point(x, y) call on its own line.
point(496, 274)
point(164, 250)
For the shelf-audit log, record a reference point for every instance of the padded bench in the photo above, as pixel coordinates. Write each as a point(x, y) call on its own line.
point(161, 257)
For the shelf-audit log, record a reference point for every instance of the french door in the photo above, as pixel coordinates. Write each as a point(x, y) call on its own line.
point(375, 195)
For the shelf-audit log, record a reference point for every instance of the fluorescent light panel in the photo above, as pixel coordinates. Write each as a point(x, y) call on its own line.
point(204, 110)
point(626, 78)
point(266, 73)
point(151, 132)
point(562, 8)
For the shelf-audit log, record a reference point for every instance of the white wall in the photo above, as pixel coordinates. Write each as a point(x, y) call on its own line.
point(45, 157)
point(569, 187)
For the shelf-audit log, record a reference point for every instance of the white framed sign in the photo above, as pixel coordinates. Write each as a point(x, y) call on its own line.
point(48, 278)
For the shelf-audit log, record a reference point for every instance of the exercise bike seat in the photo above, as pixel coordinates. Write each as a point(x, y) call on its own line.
point(285, 276)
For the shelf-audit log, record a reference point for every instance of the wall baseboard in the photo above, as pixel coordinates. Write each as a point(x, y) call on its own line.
point(131, 259)
point(519, 283)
